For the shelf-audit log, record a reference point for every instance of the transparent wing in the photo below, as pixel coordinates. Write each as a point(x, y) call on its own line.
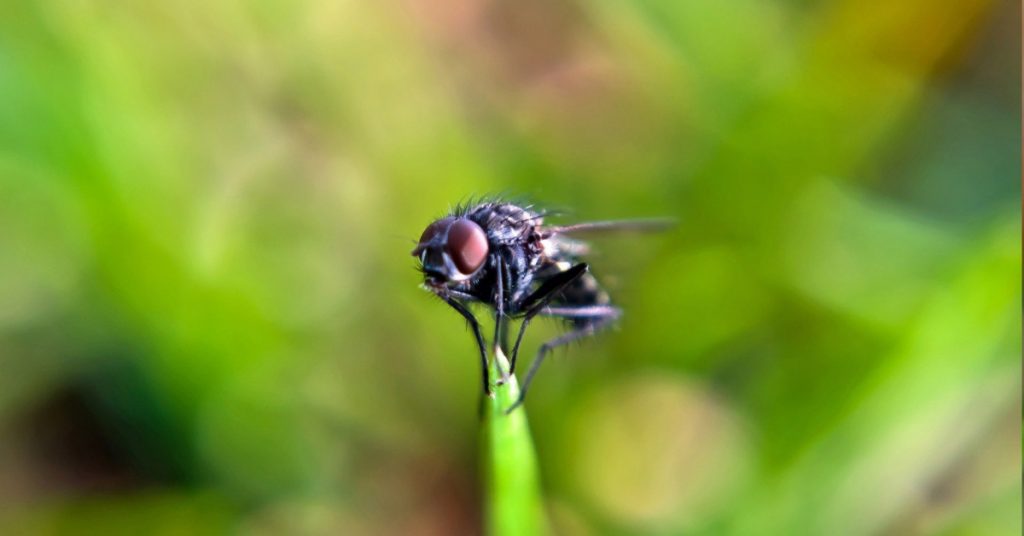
point(612, 226)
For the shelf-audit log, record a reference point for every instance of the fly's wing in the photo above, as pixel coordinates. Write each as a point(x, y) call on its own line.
point(566, 241)
point(565, 236)
point(612, 226)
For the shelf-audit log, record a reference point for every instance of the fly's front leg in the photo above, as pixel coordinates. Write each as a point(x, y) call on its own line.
point(499, 312)
point(504, 335)
point(475, 326)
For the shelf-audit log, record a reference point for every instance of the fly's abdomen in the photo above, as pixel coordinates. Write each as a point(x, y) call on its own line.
point(587, 298)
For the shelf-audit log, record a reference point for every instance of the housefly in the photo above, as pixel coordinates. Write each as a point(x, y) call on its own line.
point(501, 254)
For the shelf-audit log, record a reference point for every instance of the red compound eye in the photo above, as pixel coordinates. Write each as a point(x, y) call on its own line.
point(433, 229)
point(467, 245)
point(430, 232)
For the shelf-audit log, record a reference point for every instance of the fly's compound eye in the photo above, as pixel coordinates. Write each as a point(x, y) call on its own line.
point(433, 229)
point(430, 232)
point(467, 246)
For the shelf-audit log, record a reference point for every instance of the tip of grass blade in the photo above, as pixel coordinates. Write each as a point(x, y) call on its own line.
point(513, 502)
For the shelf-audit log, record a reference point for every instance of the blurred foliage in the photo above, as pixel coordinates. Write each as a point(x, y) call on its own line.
point(211, 322)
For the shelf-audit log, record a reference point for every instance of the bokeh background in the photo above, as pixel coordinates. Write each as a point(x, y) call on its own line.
point(210, 321)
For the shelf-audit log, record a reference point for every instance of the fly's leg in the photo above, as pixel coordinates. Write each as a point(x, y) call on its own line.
point(504, 333)
point(603, 316)
point(475, 326)
point(510, 289)
point(499, 312)
point(505, 322)
point(536, 302)
point(582, 311)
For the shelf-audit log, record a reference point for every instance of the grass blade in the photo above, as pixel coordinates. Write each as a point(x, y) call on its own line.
point(512, 503)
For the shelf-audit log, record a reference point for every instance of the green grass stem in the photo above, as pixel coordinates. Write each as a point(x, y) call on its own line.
point(513, 504)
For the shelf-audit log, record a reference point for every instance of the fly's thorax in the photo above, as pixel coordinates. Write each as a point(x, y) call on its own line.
point(513, 233)
point(505, 223)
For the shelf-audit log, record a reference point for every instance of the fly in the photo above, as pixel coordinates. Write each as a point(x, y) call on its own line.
point(502, 255)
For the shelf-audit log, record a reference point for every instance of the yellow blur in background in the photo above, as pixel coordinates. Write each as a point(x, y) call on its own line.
point(210, 322)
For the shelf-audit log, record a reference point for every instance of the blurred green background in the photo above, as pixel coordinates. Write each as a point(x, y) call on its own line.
point(211, 324)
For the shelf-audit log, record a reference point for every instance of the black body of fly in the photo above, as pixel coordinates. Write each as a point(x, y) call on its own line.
point(502, 255)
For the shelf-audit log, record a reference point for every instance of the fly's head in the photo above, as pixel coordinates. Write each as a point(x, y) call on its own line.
point(451, 250)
